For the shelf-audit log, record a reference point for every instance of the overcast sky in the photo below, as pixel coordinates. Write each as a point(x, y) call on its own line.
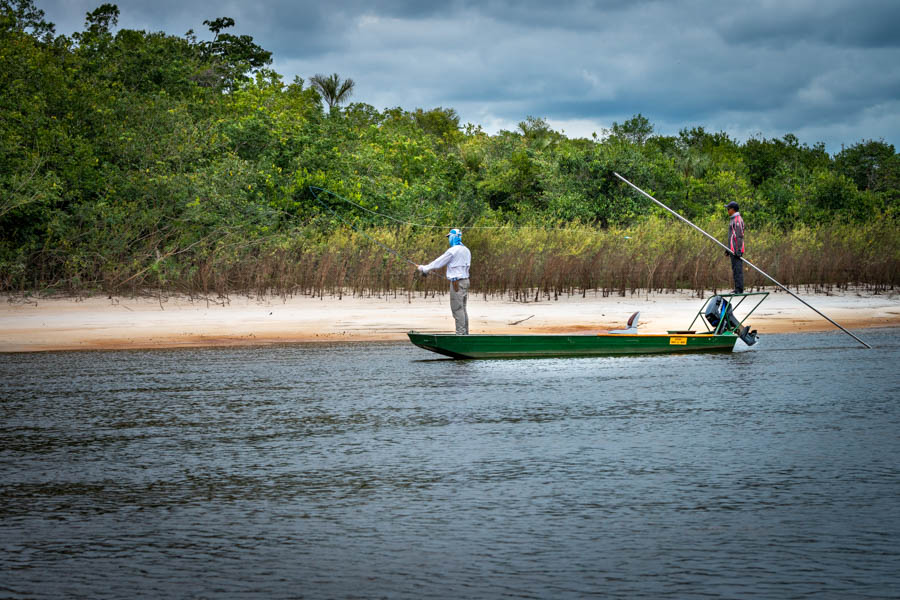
point(824, 70)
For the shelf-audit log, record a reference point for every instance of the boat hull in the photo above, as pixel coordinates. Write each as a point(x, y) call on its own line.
point(554, 345)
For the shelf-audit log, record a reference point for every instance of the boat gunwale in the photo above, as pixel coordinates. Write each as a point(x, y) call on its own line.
point(613, 335)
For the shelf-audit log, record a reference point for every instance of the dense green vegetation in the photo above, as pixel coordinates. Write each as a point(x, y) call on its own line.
point(136, 160)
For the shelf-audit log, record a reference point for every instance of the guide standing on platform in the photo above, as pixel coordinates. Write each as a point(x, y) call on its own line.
point(736, 246)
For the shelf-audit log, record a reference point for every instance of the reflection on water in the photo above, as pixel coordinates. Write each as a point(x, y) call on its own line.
point(373, 471)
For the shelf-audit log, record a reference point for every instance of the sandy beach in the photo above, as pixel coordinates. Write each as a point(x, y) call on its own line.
point(28, 324)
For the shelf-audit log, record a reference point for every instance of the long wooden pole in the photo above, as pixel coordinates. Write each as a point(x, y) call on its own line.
point(763, 273)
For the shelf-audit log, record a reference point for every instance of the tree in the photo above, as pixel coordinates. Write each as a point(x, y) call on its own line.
point(767, 158)
point(871, 165)
point(217, 25)
point(101, 19)
point(333, 89)
point(151, 62)
point(537, 132)
point(635, 130)
point(440, 122)
point(94, 41)
point(232, 57)
point(828, 194)
point(24, 17)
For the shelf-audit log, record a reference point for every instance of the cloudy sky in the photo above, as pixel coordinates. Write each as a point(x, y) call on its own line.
point(825, 70)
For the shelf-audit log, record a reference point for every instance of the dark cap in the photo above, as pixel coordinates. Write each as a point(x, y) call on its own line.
point(732, 204)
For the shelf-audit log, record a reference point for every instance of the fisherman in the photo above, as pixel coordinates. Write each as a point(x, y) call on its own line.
point(736, 245)
point(457, 258)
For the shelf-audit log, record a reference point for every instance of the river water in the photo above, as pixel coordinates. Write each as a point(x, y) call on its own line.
point(373, 470)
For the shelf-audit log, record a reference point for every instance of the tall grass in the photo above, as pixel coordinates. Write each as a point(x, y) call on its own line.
point(519, 263)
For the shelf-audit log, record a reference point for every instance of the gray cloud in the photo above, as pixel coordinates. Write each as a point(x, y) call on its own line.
point(825, 70)
point(863, 23)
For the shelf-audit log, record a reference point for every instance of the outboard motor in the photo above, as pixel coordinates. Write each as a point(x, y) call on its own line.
point(718, 309)
point(748, 337)
point(713, 310)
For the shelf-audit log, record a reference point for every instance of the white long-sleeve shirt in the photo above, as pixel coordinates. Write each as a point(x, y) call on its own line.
point(457, 258)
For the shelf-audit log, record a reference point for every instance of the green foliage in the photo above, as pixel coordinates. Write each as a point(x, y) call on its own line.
point(871, 166)
point(231, 57)
point(22, 16)
point(635, 130)
point(135, 159)
point(333, 89)
point(766, 159)
point(443, 123)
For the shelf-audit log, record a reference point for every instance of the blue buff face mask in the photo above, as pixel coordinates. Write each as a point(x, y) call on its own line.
point(455, 237)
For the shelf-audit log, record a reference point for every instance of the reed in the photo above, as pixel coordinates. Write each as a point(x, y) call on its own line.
point(520, 263)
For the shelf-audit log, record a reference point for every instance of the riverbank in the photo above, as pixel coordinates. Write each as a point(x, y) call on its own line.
point(94, 323)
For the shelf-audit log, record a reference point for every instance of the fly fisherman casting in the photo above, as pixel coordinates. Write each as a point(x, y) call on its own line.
point(457, 259)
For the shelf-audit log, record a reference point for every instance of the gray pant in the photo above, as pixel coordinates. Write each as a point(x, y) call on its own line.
point(737, 271)
point(458, 306)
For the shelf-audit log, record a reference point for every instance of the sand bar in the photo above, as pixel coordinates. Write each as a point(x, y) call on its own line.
point(100, 322)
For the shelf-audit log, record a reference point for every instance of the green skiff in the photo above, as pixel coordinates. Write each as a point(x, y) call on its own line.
point(521, 346)
point(721, 337)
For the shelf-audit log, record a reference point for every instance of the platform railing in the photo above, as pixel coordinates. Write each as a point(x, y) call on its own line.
point(729, 304)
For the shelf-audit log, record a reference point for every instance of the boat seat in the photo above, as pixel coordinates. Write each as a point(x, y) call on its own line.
point(632, 325)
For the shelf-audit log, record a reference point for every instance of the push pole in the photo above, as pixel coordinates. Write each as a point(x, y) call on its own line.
point(763, 273)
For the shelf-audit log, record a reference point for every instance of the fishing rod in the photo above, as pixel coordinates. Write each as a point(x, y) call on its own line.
point(763, 273)
point(354, 228)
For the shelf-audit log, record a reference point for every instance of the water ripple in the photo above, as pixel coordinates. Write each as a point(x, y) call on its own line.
point(358, 471)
